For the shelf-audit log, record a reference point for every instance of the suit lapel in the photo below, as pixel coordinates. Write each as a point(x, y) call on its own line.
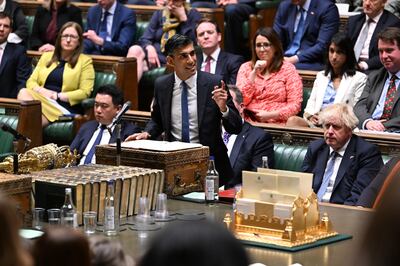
point(98, 15)
point(238, 144)
point(343, 88)
point(115, 22)
point(166, 101)
point(199, 60)
point(88, 135)
point(379, 27)
point(202, 91)
point(320, 162)
point(7, 54)
point(221, 60)
point(346, 163)
point(292, 14)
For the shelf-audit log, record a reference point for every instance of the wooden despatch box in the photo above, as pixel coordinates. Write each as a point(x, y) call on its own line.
point(185, 170)
point(18, 188)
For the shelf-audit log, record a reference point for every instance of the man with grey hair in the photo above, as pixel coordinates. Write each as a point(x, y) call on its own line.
point(343, 164)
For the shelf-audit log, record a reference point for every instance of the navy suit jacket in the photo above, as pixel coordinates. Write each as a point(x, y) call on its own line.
point(227, 65)
point(368, 196)
point(321, 24)
point(122, 32)
point(250, 146)
point(15, 69)
point(369, 99)
point(360, 164)
point(353, 29)
point(87, 130)
point(209, 118)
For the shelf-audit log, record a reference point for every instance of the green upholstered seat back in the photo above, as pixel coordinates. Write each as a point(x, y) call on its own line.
point(60, 132)
point(102, 78)
point(289, 157)
point(141, 27)
point(6, 139)
point(29, 22)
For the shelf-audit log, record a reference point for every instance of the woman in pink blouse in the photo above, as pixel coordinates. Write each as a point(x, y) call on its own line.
point(272, 89)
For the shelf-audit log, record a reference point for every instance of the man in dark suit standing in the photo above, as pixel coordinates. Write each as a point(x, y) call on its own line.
point(212, 59)
point(107, 104)
point(305, 28)
point(343, 164)
point(111, 29)
point(363, 32)
point(246, 149)
point(378, 107)
point(15, 67)
point(189, 106)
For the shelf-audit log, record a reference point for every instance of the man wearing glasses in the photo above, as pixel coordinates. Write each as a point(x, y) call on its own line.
point(108, 103)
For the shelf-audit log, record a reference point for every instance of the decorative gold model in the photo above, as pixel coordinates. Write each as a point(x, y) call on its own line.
point(40, 158)
point(256, 220)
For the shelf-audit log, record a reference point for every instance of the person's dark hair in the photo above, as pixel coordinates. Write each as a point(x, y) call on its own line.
point(204, 20)
point(273, 38)
point(11, 251)
point(199, 243)
point(381, 237)
point(234, 89)
point(57, 47)
point(61, 246)
point(108, 253)
point(6, 15)
point(114, 92)
point(176, 42)
point(391, 35)
point(343, 43)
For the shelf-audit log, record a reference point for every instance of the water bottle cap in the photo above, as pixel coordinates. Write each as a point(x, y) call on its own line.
point(68, 189)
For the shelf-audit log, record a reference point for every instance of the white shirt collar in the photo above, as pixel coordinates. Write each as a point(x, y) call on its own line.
point(376, 18)
point(3, 45)
point(306, 5)
point(214, 55)
point(112, 8)
point(342, 150)
point(191, 82)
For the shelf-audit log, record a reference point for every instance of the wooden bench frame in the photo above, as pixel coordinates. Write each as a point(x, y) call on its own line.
point(124, 68)
point(29, 120)
point(143, 13)
point(388, 145)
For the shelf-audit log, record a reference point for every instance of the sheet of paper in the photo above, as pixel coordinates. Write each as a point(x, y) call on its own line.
point(154, 145)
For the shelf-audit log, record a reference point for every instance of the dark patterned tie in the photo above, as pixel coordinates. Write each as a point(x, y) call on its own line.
point(226, 137)
point(103, 26)
point(185, 113)
point(90, 154)
point(389, 101)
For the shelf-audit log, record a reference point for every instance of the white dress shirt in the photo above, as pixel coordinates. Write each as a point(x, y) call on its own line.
point(110, 18)
point(328, 193)
point(372, 25)
point(176, 110)
point(105, 139)
point(214, 58)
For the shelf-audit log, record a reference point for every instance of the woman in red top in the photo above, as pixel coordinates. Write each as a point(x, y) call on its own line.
point(272, 89)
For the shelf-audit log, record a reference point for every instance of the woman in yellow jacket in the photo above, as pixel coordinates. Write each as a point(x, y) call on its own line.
point(63, 78)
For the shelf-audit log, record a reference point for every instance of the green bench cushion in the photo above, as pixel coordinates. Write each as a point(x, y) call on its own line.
point(289, 157)
point(6, 138)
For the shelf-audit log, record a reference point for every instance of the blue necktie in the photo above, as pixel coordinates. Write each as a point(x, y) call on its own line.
point(103, 26)
point(185, 113)
point(294, 47)
point(90, 154)
point(327, 176)
point(225, 137)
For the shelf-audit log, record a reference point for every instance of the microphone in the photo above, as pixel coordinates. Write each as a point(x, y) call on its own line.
point(15, 133)
point(117, 118)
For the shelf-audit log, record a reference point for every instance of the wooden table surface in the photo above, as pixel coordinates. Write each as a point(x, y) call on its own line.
point(346, 220)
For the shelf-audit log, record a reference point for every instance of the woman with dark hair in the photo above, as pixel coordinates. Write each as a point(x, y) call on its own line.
point(61, 246)
point(49, 18)
point(271, 87)
point(63, 78)
point(338, 83)
point(198, 243)
point(11, 251)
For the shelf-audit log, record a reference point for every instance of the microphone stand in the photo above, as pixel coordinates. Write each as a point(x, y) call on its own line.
point(118, 134)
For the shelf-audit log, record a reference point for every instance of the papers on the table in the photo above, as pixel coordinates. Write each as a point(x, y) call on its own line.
point(154, 145)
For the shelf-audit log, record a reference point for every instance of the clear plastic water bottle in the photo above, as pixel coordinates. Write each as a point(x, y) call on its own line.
point(111, 216)
point(264, 162)
point(211, 182)
point(69, 215)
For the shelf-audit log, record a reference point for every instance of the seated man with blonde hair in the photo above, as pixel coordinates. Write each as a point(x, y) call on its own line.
point(343, 164)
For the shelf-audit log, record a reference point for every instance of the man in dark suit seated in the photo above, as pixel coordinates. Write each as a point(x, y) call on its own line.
point(305, 28)
point(15, 67)
point(343, 164)
point(372, 194)
point(212, 59)
point(111, 29)
point(378, 107)
point(246, 149)
point(107, 104)
point(363, 32)
point(20, 31)
point(189, 105)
